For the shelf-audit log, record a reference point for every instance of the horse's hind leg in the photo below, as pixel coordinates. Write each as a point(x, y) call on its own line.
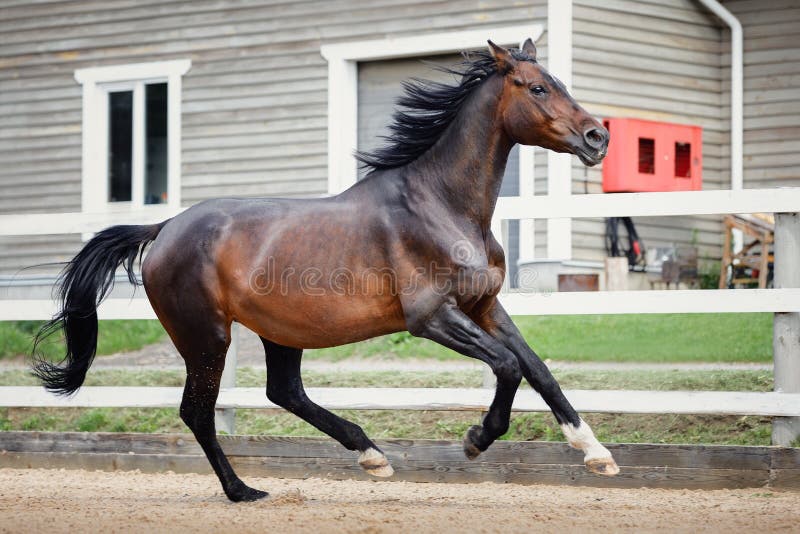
point(285, 388)
point(203, 347)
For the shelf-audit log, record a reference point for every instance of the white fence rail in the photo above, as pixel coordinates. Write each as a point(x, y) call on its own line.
point(780, 301)
point(785, 300)
point(444, 399)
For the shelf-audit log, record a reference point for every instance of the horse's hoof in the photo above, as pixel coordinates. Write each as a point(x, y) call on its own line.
point(375, 463)
point(603, 466)
point(471, 451)
point(240, 492)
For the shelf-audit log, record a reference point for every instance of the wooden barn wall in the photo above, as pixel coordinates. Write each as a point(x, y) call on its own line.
point(254, 101)
point(658, 60)
point(771, 90)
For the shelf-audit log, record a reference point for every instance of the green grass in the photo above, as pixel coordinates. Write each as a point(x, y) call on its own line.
point(720, 337)
point(16, 338)
point(611, 428)
point(415, 424)
point(705, 337)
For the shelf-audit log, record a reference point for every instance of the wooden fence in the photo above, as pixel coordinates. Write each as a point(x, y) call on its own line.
point(783, 300)
point(418, 460)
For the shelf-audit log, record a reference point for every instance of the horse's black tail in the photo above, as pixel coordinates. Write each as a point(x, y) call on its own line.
point(81, 286)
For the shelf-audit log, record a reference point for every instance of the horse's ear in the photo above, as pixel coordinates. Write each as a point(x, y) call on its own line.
point(529, 48)
point(505, 62)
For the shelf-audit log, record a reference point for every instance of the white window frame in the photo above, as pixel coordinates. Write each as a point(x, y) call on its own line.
point(97, 82)
point(343, 59)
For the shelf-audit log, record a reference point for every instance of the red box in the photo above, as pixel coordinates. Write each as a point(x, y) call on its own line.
point(647, 156)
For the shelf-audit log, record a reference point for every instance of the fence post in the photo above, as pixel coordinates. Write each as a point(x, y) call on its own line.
point(786, 326)
point(224, 419)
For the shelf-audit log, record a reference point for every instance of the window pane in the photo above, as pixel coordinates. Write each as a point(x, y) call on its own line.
point(647, 156)
point(120, 146)
point(155, 181)
point(683, 160)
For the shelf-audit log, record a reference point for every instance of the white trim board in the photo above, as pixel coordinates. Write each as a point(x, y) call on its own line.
point(665, 204)
point(343, 61)
point(429, 43)
point(133, 71)
point(676, 203)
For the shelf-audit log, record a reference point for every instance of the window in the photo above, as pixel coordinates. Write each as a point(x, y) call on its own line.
point(131, 135)
point(683, 160)
point(123, 183)
point(120, 146)
point(647, 156)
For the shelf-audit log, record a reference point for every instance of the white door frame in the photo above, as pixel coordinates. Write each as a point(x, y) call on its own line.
point(559, 166)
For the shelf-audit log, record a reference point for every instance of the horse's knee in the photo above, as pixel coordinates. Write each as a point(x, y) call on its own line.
point(289, 400)
point(508, 371)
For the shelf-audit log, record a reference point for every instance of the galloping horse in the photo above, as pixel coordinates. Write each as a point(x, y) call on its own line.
point(409, 247)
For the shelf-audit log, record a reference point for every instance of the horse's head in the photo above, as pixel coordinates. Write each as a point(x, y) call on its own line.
point(536, 108)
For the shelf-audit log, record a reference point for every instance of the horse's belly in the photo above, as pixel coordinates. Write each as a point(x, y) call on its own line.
point(317, 321)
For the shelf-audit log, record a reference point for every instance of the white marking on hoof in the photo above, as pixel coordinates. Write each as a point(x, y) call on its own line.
point(383, 472)
point(603, 466)
point(596, 457)
point(375, 463)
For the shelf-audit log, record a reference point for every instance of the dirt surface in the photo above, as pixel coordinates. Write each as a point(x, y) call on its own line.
point(69, 501)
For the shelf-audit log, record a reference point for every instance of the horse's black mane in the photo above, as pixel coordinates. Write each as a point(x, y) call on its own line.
point(428, 109)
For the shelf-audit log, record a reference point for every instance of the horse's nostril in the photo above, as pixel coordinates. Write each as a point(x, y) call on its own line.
point(596, 137)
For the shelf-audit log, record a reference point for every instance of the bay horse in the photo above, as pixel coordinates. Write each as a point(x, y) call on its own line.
point(408, 248)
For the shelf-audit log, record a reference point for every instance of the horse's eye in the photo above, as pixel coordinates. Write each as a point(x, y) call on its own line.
point(538, 90)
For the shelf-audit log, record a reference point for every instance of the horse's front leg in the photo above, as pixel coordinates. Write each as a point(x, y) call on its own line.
point(449, 326)
point(578, 433)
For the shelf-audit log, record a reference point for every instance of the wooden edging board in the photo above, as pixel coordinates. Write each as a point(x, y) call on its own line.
point(418, 460)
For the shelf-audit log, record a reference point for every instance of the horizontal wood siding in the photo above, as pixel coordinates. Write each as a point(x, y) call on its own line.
point(651, 60)
point(254, 101)
point(771, 90)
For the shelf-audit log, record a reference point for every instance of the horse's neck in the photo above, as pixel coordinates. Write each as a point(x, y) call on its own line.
point(464, 169)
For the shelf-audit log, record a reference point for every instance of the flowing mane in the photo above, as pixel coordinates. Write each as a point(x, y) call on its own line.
point(427, 108)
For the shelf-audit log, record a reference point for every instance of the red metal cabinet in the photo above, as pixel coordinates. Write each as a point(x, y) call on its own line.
point(645, 156)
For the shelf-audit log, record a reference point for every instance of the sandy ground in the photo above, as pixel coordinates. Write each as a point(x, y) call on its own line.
point(68, 501)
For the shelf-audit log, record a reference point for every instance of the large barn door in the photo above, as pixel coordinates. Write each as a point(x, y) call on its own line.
point(379, 86)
